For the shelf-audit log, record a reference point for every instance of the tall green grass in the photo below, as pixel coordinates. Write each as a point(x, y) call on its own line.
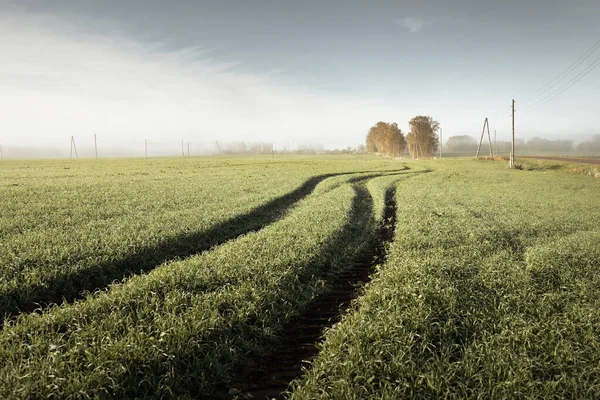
point(70, 227)
point(184, 328)
point(490, 291)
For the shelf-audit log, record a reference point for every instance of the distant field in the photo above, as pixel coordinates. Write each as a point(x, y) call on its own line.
point(209, 277)
point(582, 160)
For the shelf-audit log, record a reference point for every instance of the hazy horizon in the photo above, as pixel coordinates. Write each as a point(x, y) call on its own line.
point(85, 148)
point(283, 72)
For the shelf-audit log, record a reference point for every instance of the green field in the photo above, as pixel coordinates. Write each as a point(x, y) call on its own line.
point(172, 278)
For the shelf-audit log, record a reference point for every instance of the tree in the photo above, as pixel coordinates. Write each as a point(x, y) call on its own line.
point(461, 144)
point(591, 146)
point(539, 145)
point(422, 139)
point(386, 138)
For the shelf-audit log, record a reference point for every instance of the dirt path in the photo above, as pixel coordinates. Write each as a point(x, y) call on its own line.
point(303, 334)
point(569, 160)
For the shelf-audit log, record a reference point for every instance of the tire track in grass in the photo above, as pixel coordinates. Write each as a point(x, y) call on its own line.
point(301, 335)
point(74, 285)
point(253, 339)
point(111, 344)
point(207, 341)
point(69, 287)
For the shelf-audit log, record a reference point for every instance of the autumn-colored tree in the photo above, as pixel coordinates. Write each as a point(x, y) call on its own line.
point(386, 138)
point(422, 139)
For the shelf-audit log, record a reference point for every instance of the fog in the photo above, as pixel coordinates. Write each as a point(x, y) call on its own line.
point(59, 78)
point(57, 81)
point(459, 145)
point(152, 148)
point(556, 145)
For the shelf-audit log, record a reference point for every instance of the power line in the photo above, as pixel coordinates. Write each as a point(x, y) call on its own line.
point(544, 99)
point(567, 85)
point(567, 71)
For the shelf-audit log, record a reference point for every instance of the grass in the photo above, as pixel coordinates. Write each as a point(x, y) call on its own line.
point(547, 165)
point(183, 328)
point(490, 288)
point(490, 291)
point(87, 224)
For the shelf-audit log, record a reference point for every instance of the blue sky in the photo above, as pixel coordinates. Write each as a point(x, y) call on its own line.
point(289, 70)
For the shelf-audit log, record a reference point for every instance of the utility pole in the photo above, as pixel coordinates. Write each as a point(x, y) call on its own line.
point(1, 154)
point(495, 145)
point(512, 151)
point(485, 124)
point(146, 147)
point(188, 149)
point(96, 146)
point(272, 151)
point(490, 139)
point(182, 151)
point(73, 148)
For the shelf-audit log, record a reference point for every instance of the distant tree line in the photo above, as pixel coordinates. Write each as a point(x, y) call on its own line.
point(468, 144)
point(358, 149)
point(241, 147)
point(591, 146)
point(421, 141)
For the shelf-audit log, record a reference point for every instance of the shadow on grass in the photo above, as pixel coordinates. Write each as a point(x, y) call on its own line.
point(74, 285)
point(235, 356)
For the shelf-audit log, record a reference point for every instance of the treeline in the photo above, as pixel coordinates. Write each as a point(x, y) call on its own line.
point(420, 142)
point(468, 144)
point(358, 149)
point(590, 146)
point(240, 147)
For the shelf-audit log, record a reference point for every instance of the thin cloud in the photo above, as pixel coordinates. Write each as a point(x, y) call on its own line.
point(55, 82)
point(412, 24)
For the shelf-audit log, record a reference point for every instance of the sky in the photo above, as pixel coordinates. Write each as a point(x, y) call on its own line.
point(286, 71)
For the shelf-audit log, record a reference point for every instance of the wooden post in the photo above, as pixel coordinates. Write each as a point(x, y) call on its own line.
point(512, 152)
point(73, 147)
point(495, 144)
point(96, 146)
point(481, 138)
point(490, 139)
